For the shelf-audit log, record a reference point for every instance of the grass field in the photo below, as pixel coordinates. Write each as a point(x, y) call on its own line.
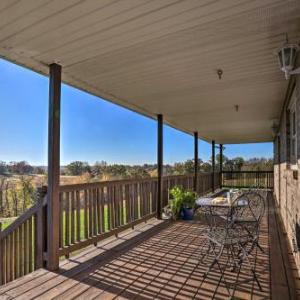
point(6, 222)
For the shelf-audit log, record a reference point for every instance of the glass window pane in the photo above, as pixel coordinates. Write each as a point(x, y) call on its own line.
point(287, 56)
point(280, 58)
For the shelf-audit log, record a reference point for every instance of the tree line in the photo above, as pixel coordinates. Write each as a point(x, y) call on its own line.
point(20, 168)
point(16, 195)
point(106, 171)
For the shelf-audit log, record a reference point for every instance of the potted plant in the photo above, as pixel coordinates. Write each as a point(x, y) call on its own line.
point(175, 203)
point(188, 205)
point(182, 203)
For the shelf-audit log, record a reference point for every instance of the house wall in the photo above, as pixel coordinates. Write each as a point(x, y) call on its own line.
point(286, 181)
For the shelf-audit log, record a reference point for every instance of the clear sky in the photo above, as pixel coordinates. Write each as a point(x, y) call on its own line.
point(92, 129)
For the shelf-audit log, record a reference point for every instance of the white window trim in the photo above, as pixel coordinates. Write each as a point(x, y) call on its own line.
point(293, 131)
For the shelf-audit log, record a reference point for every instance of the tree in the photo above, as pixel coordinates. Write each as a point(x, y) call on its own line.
point(21, 167)
point(189, 166)
point(39, 170)
point(3, 168)
point(98, 169)
point(137, 172)
point(206, 167)
point(218, 160)
point(77, 168)
point(27, 191)
point(238, 163)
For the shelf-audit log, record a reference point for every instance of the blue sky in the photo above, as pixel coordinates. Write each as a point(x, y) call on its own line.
point(91, 129)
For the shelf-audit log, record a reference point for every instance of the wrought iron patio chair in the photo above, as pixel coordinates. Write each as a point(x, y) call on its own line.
point(254, 213)
point(235, 239)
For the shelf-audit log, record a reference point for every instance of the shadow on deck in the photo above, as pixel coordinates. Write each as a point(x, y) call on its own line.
point(159, 260)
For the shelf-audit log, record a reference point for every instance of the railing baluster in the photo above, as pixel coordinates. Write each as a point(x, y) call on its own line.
point(98, 206)
point(103, 216)
point(90, 212)
point(127, 204)
point(72, 217)
point(61, 220)
point(8, 258)
point(86, 233)
point(78, 216)
point(39, 238)
point(21, 249)
point(123, 205)
point(26, 247)
point(116, 205)
point(94, 192)
point(67, 218)
point(30, 261)
point(15, 254)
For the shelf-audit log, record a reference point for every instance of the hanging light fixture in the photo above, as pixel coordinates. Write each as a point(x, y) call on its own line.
point(287, 57)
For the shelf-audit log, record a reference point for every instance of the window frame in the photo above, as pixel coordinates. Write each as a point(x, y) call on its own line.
point(293, 131)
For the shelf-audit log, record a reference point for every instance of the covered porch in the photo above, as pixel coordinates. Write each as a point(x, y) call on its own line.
point(205, 68)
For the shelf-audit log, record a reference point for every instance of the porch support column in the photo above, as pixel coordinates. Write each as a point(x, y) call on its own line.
point(53, 167)
point(195, 161)
point(159, 165)
point(221, 164)
point(213, 165)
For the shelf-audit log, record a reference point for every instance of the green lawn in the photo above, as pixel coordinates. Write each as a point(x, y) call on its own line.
point(82, 228)
point(8, 221)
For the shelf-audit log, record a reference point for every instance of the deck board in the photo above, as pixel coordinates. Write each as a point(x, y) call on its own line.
point(160, 260)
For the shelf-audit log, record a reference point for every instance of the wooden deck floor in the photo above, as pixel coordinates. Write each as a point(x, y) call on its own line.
point(158, 260)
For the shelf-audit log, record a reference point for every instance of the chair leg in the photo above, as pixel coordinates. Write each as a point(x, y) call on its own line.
point(260, 248)
point(252, 269)
point(256, 279)
point(215, 261)
point(222, 275)
point(204, 255)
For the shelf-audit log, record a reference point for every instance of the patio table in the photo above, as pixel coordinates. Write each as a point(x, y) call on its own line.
point(211, 201)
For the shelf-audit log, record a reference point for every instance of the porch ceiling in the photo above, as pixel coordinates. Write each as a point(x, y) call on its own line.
point(162, 56)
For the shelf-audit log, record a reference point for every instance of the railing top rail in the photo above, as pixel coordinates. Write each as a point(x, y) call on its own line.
point(90, 185)
point(262, 172)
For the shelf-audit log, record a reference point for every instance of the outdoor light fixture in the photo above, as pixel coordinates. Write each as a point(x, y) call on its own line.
point(287, 57)
point(220, 73)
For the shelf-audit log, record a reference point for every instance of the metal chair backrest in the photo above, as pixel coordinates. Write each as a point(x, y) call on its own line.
point(215, 216)
point(248, 210)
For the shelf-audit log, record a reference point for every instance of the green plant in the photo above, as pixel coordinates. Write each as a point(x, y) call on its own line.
point(175, 202)
point(181, 198)
point(189, 199)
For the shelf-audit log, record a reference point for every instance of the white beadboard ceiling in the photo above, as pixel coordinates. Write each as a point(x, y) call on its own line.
point(161, 56)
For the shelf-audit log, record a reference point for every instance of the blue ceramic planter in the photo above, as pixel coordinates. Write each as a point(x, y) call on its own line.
point(187, 213)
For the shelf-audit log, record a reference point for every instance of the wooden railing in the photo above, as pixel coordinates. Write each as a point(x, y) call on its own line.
point(22, 243)
point(248, 179)
point(93, 211)
point(89, 212)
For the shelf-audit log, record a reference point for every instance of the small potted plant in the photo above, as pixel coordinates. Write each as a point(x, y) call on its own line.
point(175, 203)
point(188, 205)
point(182, 203)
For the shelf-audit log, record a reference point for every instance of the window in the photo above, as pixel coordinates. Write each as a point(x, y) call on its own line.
point(293, 130)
